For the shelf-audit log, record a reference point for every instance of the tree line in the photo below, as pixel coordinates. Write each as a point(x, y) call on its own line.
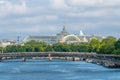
point(109, 45)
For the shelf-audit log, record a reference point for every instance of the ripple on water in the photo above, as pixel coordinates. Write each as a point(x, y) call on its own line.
point(60, 70)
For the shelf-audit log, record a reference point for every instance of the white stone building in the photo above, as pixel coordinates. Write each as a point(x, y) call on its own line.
point(62, 37)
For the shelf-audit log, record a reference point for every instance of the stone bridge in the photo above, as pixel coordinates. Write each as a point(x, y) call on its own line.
point(102, 59)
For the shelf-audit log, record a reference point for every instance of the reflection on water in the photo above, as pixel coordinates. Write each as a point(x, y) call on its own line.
point(55, 70)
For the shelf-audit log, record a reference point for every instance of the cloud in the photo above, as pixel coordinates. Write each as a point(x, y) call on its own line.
point(86, 8)
point(87, 13)
point(28, 20)
point(59, 4)
point(15, 29)
point(48, 16)
point(26, 29)
point(94, 2)
point(42, 29)
point(7, 7)
point(85, 2)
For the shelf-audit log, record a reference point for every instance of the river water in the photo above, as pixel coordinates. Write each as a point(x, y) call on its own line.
point(55, 70)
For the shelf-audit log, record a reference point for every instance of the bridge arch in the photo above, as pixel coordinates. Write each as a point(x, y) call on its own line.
point(77, 40)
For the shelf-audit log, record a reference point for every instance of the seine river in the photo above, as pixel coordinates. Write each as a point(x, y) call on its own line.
point(55, 70)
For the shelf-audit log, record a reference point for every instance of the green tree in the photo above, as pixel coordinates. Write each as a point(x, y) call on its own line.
point(11, 48)
point(116, 52)
point(49, 48)
point(1, 49)
point(94, 45)
point(35, 46)
point(117, 47)
point(74, 47)
point(83, 47)
point(59, 47)
point(117, 44)
point(107, 45)
point(29, 48)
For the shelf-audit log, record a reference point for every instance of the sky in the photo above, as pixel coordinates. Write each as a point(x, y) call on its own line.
point(47, 17)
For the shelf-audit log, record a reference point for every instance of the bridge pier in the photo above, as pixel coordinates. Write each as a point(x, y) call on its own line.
point(69, 58)
point(49, 57)
point(23, 59)
point(62, 58)
point(0, 59)
point(76, 59)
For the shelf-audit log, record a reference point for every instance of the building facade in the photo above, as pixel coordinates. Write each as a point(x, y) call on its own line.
point(4, 43)
point(62, 37)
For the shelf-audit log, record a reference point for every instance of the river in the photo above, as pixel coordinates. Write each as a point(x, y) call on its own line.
point(55, 70)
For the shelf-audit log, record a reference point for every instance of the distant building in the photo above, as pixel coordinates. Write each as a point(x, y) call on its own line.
point(4, 43)
point(62, 37)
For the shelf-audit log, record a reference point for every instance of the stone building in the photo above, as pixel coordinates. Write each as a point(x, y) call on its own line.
point(63, 37)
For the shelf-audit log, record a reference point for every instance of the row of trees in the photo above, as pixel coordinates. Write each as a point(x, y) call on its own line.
point(109, 45)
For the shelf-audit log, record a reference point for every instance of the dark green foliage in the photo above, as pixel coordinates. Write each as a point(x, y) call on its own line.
point(34, 46)
point(94, 45)
point(59, 47)
point(107, 45)
point(116, 52)
point(14, 48)
point(117, 47)
point(1, 49)
point(117, 44)
point(49, 48)
point(83, 47)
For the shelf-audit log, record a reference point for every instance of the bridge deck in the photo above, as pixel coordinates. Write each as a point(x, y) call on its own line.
point(57, 54)
point(105, 59)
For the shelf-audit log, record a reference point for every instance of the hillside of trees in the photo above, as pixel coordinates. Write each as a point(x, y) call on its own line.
point(109, 45)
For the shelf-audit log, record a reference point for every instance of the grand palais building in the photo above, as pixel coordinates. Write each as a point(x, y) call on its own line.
point(63, 37)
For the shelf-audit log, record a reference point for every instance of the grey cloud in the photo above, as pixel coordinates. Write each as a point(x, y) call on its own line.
point(42, 16)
